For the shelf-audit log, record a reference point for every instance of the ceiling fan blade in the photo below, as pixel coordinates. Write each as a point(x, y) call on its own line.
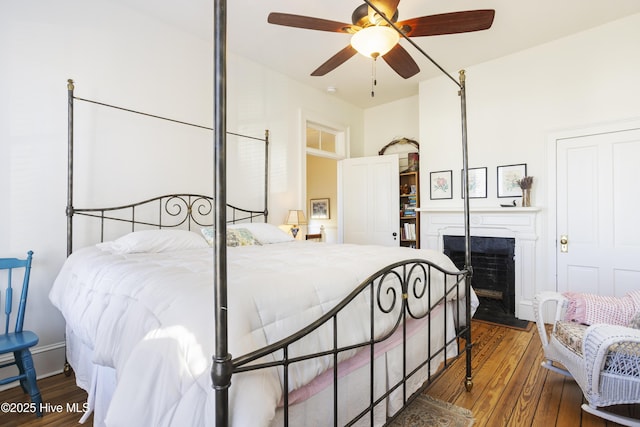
point(388, 7)
point(448, 23)
point(402, 63)
point(335, 61)
point(310, 23)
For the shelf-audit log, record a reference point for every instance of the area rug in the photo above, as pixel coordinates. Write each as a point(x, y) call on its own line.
point(425, 411)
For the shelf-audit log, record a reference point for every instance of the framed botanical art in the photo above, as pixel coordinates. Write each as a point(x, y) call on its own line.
point(441, 185)
point(477, 183)
point(508, 177)
point(319, 209)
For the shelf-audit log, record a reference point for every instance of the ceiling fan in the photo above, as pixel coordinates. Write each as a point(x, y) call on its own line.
point(372, 36)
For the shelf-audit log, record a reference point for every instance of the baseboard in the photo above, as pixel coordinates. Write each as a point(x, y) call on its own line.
point(525, 310)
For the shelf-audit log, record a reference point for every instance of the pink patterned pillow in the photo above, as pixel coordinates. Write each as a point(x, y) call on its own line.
point(590, 309)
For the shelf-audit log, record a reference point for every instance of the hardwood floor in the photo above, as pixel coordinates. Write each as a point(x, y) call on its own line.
point(510, 388)
point(60, 395)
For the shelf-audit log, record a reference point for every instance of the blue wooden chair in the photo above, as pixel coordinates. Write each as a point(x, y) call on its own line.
point(14, 339)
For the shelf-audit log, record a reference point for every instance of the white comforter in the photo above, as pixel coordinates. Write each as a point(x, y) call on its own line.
point(150, 316)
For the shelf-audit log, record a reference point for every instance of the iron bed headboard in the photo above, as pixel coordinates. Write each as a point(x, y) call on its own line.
point(173, 210)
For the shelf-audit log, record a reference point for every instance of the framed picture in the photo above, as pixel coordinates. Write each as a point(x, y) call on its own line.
point(319, 209)
point(441, 185)
point(477, 183)
point(508, 177)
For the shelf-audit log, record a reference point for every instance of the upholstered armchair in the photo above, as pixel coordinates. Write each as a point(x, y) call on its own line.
point(596, 341)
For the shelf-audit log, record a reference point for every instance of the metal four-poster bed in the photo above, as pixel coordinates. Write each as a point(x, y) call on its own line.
point(409, 290)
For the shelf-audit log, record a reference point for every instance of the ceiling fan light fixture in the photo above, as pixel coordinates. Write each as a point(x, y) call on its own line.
point(375, 40)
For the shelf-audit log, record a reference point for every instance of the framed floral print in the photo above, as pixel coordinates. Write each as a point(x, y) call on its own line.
point(508, 177)
point(477, 183)
point(441, 185)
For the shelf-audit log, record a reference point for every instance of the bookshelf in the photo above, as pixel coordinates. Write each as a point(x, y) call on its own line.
point(409, 217)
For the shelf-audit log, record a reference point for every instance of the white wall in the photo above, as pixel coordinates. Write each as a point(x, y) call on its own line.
point(269, 99)
point(516, 102)
point(120, 57)
point(387, 122)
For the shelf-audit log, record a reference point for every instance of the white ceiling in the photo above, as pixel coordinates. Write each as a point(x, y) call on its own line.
point(297, 52)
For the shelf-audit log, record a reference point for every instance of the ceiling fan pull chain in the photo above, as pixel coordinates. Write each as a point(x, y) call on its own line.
point(373, 77)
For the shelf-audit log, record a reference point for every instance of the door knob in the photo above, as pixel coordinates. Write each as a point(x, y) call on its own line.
point(564, 243)
point(394, 235)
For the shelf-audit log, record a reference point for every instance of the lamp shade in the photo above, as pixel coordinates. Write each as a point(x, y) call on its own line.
point(375, 40)
point(295, 217)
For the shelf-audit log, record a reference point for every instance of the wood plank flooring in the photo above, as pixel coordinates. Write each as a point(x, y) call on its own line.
point(59, 394)
point(510, 388)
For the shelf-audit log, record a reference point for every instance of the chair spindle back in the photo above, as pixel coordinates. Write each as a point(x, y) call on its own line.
point(11, 264)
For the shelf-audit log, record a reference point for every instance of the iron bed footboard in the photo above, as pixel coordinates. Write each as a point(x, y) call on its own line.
point(392, 291)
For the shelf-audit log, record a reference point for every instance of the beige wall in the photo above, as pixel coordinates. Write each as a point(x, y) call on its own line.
point(322, 176)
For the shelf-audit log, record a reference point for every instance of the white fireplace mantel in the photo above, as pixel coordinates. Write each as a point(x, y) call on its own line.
point(513, 222)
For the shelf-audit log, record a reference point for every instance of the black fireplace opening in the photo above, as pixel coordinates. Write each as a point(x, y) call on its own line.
point(492, 259)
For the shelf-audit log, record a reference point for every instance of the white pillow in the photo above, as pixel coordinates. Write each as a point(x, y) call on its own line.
point(154, 241)
point(265, 233)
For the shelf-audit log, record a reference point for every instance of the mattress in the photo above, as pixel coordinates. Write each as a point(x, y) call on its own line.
point(149, 316)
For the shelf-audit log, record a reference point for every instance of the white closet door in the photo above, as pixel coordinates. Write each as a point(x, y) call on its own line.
point(368, 189)
point(598, 201)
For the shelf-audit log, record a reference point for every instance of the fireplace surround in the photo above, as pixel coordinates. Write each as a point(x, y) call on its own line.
point(517, 223)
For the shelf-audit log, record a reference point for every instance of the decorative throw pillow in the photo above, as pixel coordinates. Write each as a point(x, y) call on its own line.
point(591, 309)
point(207, 233)
point(264, 232)
point(235, 237)
point(240, 237)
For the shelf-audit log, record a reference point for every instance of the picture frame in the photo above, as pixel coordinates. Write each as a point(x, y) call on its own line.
point(508, 177)
point(319, 209)
point(477, 183)
point(441, 185)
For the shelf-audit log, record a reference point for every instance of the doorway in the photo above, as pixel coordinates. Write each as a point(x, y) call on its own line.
point(324, 145)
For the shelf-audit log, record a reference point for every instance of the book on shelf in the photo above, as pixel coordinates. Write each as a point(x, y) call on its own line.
point(409, 231)
point(409, 212)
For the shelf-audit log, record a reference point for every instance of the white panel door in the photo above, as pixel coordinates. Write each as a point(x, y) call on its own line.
point(368, 190)
point(597, 210)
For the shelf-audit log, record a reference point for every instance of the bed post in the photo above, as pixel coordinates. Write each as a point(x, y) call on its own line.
point(70, 88)
point(222, 367)
point(467, 233)
point(465, 183)
point(69, 211)
point(266, 174)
